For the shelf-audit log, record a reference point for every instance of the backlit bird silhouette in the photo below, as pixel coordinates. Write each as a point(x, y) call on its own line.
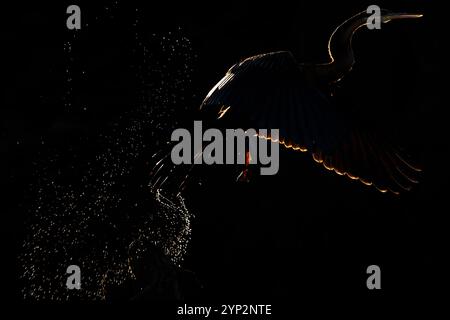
point(273, 90)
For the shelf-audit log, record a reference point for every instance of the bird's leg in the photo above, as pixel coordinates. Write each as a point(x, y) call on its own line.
point(244, 176)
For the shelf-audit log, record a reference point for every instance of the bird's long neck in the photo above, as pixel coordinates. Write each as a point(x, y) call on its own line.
point(340, 50)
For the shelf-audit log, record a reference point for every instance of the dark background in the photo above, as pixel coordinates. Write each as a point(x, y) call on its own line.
point(301, 234)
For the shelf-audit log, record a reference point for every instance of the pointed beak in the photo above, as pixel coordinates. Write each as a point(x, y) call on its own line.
point(396, 16)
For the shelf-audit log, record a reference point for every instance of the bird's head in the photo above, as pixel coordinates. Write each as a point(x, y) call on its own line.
point(388, 15)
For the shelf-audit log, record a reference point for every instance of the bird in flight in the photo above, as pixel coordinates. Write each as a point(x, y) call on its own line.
point(274, 90)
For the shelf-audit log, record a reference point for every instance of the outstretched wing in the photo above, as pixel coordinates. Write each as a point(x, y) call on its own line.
point(270, 91)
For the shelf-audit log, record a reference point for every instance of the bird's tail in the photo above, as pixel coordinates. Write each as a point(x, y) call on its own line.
point(167, 176)
point(173, 179)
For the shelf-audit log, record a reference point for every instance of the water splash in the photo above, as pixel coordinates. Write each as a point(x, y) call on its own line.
point(83, 211)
